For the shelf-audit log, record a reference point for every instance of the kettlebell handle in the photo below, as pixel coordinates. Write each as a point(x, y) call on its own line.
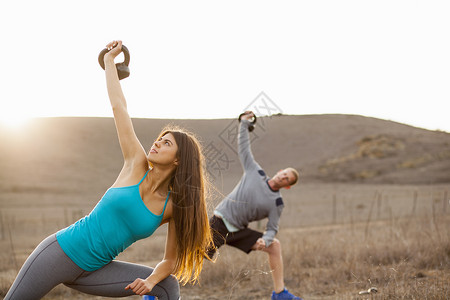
point(252, 122)
point(122, 67)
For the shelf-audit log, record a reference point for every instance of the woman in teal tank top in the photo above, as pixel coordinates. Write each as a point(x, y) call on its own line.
point(164, 185)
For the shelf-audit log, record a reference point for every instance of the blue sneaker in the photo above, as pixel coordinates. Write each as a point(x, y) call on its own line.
point(284, 295)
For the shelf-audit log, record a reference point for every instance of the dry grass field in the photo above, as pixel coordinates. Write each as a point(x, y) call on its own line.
point(372, 207)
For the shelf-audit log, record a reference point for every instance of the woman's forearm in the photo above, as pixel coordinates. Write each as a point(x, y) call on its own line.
point(162, 270)
point(115, 93)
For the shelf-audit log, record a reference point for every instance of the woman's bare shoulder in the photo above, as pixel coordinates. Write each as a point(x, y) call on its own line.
point(131, 173)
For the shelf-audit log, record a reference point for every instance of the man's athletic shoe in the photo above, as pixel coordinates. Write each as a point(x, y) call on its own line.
point(284, 295)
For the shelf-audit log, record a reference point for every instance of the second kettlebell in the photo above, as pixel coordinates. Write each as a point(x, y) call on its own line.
point(252, 122)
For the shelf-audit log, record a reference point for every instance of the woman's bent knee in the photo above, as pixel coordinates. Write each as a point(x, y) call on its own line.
point(171, 287)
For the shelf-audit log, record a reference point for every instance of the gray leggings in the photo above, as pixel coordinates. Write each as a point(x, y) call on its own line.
point(49, 266)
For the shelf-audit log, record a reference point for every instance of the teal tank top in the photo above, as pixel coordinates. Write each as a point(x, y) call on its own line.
point(118, 220)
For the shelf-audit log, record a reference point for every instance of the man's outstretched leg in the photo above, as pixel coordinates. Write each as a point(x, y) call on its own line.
point(276, 267)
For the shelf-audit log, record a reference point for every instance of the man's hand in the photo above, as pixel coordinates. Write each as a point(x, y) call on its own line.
point(140, 286)
point(259, 245)
point(248, 115)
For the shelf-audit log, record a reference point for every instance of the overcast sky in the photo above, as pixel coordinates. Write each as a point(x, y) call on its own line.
point(212, 59)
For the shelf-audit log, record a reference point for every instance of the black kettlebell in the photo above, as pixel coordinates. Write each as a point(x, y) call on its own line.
point(252, 122)
point(122, 68)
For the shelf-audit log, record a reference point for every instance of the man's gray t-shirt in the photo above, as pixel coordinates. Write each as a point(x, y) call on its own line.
point(252, 199)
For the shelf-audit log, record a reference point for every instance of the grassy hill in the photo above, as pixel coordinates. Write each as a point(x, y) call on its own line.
point(66, 154)
point(74, 160)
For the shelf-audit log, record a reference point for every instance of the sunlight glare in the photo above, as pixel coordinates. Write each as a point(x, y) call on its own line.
point(13, 121)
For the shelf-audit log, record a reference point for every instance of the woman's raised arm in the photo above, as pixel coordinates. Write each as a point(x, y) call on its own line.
point(129, 143)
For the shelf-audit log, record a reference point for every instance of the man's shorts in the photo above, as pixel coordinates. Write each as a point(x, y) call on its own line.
point(243, 239)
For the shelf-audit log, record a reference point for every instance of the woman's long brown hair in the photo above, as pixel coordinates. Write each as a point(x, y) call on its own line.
point(189, 208)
